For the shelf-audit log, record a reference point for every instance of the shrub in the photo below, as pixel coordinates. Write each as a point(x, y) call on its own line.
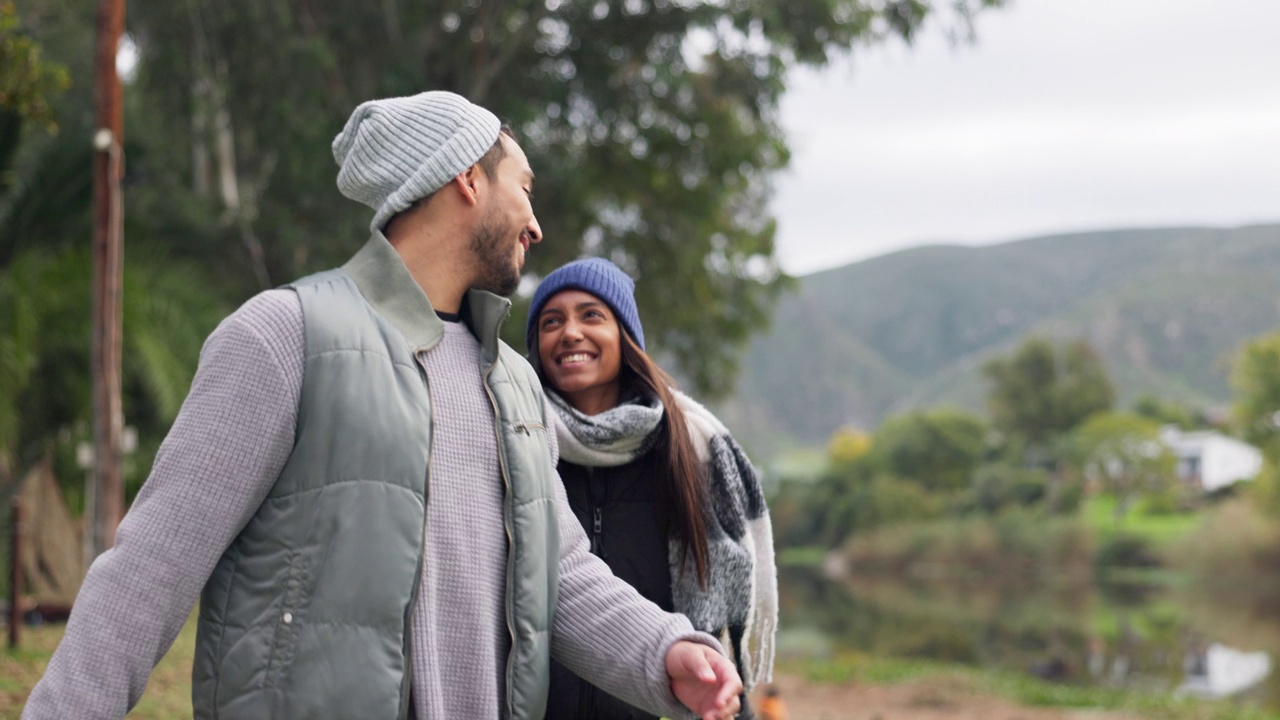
point(1125, 550)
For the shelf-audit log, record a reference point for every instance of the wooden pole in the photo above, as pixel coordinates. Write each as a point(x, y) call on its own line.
point(15, 571)
point(108, 266)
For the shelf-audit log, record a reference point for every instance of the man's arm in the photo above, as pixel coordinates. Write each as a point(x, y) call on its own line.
point(607, 633)
point(231, 438)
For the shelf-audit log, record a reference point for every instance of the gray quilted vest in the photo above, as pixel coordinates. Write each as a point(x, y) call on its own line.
point(306, 615)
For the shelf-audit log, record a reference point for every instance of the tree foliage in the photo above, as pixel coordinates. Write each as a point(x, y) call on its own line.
point(652, 126)
point(1255, 381)
point(1168, 412)
point(847, 445)
point(1042, 390)
point(44, 359)
point(997, 486)
point(45, 280)
point(936, 449)
point(28, 82)
point(1123, 453)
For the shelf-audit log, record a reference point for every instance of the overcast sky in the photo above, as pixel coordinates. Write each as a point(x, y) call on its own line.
point(1065, 115)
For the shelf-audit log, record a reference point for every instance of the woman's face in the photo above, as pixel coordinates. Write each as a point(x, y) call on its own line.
point(580, 349)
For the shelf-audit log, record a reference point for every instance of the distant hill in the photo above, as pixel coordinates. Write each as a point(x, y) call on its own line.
point(1166, 308)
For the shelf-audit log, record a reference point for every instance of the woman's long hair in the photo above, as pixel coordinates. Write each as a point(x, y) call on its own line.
point(682, 497)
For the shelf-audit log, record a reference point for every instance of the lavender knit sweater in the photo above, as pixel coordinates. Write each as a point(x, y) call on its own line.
point(232, 437)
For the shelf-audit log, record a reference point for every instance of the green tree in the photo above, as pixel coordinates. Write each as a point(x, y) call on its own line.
point(44, 324)
point(28, 87)
point(854, 498)
point(1168, 412)
point(1255, 382)
point(652, 125)
point(1043, 391)
point(1122, 452)
point(28, 83)
point(847, 445)
point(936, 449)
point(997, 486)
point(45, 277)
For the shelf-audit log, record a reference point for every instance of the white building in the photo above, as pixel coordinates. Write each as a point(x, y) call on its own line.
point(1210, 460)
point(1220, 671)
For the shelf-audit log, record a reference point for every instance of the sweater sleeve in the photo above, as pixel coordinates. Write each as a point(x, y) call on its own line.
point(609, 634)
point(229, 442)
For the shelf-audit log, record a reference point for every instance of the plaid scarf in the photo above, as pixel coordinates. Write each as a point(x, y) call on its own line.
point(740, 602)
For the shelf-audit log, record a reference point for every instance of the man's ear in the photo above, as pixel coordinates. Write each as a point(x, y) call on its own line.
point(467, 183)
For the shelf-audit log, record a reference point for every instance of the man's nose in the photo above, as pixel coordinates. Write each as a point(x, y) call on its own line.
point(534, 231)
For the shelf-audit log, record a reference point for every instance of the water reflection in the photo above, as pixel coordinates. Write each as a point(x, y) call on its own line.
point(1193, 639)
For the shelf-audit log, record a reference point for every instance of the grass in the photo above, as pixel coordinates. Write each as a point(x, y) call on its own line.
point(168, 693)
point(1159, 530)
point(854, 667)
point(804, 556)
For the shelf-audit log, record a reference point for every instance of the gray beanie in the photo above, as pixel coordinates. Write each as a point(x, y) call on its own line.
point(396, 151)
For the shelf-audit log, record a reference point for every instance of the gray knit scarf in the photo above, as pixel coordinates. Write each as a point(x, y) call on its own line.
point(740, 602)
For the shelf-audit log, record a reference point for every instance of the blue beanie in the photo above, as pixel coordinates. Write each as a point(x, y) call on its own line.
point(598, 277)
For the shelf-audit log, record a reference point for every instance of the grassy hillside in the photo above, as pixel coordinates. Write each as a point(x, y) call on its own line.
point(1166, 308)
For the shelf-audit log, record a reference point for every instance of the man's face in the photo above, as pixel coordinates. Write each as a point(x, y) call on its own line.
point(507, 227)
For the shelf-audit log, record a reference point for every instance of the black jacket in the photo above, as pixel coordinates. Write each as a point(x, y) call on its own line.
point(618, 508)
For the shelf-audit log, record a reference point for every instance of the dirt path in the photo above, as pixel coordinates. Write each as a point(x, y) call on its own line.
point(928, 699)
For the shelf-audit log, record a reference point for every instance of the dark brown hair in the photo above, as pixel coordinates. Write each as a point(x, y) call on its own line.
point(682, 497)
point(493, 156)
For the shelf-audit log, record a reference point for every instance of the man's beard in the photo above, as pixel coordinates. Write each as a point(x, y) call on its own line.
point(498, 271)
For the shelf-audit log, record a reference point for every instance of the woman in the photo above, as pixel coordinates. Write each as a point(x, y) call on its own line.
point(666, 496)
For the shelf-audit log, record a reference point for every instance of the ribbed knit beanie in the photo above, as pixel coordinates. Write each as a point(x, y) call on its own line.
point(598, 277)
point(396, 151)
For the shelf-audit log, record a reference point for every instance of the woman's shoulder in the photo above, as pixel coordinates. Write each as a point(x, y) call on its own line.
point(702, 423)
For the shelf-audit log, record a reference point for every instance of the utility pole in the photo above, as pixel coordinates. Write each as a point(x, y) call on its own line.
point(108, 269)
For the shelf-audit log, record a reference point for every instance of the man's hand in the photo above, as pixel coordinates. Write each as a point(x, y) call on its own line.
point(704, 680)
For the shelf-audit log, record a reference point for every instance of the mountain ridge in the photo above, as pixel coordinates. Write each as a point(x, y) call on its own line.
point(1165, 307)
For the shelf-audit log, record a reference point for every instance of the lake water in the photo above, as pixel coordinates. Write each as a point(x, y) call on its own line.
point(1201, 638)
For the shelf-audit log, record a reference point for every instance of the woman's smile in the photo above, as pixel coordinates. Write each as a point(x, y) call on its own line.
point(580, 349)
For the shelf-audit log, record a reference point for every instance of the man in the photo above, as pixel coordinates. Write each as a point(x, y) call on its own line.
point(362, 483)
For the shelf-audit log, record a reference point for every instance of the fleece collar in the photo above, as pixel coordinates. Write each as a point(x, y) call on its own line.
point(385, 282)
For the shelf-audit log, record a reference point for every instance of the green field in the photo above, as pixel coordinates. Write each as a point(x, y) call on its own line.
point(850, 668)
point(168, 694)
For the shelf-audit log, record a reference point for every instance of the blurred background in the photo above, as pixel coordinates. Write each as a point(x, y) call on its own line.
point(987, 288)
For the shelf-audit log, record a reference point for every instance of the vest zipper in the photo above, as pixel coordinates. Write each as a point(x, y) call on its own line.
point(407, 693)
point(528, 427)
point(506, 520)
point(597, 513)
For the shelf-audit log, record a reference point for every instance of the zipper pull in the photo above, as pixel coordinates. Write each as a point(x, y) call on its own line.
point(597, 523)
point(527, 428)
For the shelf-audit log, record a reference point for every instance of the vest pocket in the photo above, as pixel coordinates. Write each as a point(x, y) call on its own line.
point(287, 622)
point(527, 428)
